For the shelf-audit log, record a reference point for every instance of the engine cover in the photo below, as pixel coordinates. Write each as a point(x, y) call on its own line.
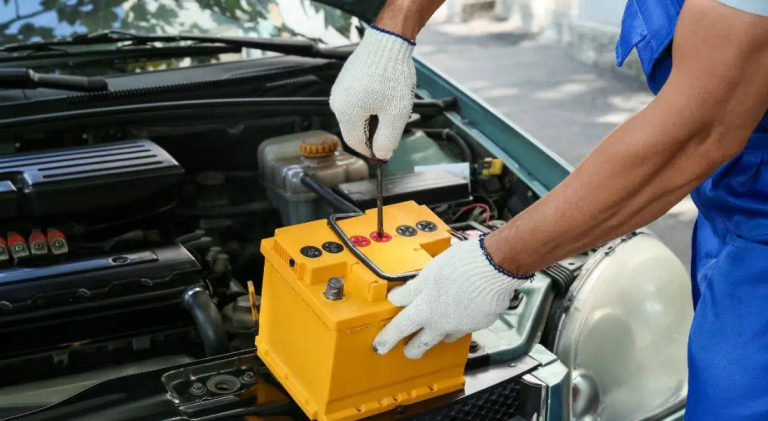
point(83, 179)
point(114, 295)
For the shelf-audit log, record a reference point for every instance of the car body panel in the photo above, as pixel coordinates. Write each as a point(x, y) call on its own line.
point(533, 162)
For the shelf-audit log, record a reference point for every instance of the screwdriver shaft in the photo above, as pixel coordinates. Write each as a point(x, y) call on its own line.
point(379, 203)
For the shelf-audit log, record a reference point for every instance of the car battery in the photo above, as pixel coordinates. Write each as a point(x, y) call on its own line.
point(321, 309)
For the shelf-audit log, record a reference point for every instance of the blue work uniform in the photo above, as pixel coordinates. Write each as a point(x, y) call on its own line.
point(728, 342)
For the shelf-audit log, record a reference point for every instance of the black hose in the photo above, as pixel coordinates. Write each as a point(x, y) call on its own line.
point(208, 320)
point(449, 135)
point(332, 198)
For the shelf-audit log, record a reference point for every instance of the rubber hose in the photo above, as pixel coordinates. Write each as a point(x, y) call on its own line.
point(452, 137)
point(332, 198)
point(208, 320)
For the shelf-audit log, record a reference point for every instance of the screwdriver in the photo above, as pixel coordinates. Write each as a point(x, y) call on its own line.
point(373, 122)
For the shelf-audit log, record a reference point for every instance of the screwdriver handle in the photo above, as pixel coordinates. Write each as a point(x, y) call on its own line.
point(373, 123)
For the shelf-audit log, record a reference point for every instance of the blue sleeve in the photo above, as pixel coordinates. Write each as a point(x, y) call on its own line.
point(758, 7)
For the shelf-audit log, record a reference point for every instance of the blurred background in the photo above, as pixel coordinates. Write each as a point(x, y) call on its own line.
point(549, 66)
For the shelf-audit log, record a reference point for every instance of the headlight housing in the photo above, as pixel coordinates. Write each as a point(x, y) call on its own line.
point(625, 333)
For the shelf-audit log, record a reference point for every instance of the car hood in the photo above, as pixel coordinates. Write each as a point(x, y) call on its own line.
point(365, 10)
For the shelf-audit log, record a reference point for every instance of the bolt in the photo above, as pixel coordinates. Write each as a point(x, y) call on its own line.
point(512, 365)
point(197, 389)
point(474, 346)
point(248, 377)
point(334, 291)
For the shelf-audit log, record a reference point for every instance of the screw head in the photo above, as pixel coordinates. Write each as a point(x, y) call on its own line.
point(119, 260)
point(406, 230)
point(426, 226)
point(512, 365)
point(333, 247)
point(311, 251)
point(383, 239)
point(474, 346)
point(360, 241)
point(197, 389)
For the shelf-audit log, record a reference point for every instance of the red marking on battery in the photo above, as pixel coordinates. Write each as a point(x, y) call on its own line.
point(383, 239)
point(360, 241)
point(38, 243)
point(57, 241)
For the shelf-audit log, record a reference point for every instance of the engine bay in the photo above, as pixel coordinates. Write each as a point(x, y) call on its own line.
point(130, 246)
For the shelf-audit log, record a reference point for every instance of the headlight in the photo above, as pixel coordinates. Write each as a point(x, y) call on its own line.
point(625, 333)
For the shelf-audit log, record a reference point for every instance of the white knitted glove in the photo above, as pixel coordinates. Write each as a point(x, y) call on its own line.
point(377, 79)
point(459, 292)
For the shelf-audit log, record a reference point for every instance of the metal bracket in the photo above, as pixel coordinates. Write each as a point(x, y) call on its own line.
point(333, 223)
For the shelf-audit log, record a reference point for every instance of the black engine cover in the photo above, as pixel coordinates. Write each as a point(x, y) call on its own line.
point(84, 179)
point(109, 296)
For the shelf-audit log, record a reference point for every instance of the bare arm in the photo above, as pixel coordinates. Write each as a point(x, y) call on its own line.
point(407, 17)
point(713, 100)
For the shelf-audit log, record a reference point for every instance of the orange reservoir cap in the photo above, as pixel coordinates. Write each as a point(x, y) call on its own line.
point(321, 309)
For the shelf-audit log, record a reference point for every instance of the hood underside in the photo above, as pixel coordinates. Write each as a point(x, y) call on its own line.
point(365, 10)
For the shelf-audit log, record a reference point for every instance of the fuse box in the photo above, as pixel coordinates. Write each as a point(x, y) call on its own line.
point(321, 309)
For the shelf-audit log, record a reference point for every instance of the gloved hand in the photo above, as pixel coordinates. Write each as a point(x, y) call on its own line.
point(377, 79)
point(459, 292)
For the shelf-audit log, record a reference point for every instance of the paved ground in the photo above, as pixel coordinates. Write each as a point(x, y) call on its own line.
point(567, 105)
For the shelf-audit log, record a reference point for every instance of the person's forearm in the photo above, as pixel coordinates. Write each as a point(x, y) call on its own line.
point(407, 17)
point(633, 177)
point(703, 116)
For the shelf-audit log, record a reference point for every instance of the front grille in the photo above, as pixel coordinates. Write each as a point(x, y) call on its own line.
point(498, 402)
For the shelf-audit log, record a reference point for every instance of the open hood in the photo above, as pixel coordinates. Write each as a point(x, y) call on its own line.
point(365, 10)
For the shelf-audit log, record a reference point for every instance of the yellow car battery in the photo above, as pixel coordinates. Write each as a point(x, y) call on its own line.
point(321, 309)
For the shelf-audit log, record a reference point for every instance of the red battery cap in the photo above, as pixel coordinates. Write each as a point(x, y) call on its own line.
point(360, 241)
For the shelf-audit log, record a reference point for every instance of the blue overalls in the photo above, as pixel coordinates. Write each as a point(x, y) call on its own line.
point(728, 343)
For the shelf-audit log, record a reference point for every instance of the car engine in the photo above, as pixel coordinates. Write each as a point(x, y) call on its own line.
point(124, 255)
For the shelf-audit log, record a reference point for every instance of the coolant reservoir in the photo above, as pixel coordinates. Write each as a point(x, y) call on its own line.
point(283, 159)
point(321, 309)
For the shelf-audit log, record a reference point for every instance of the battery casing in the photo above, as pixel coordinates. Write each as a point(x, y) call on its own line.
point(320, 349)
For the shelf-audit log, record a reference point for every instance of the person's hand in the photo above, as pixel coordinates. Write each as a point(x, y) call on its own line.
point(459, 292)
point(377, 79)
